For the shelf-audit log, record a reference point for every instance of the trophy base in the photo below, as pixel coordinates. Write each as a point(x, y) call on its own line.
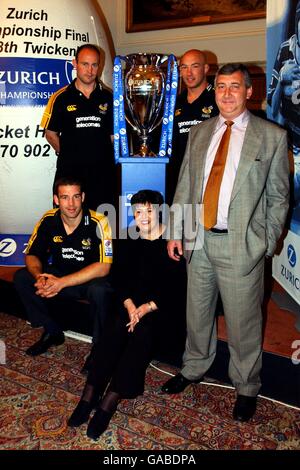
point(144, 150)
point(140, 173)
point(144, 155)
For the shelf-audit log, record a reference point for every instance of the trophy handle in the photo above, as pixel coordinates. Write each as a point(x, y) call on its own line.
point(156, 124)
point(135, 128)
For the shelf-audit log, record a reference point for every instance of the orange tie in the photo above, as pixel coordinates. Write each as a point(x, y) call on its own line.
point(212, 190)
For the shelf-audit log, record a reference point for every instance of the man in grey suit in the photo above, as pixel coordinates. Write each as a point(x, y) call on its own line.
point(228, 258)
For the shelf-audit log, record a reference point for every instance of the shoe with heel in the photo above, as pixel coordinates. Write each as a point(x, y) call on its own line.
point(98, 424)
point(89, 400)
point(81, 414)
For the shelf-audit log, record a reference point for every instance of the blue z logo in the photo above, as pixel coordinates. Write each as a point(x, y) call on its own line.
point(291, 254)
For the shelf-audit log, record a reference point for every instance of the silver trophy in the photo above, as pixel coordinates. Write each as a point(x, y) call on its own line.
point(144, 93)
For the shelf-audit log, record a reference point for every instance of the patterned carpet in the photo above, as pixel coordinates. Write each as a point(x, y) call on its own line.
point(38, 395)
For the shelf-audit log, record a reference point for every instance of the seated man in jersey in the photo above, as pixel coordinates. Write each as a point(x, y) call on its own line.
point(69, 256)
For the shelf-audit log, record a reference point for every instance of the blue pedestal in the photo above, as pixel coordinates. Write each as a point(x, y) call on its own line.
point(140, 173)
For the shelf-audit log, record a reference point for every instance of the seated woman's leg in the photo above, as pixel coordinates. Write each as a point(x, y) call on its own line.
point(88, 401)
point(105, 356)
point(128, 378)
point(129, 374)
point(100, 421)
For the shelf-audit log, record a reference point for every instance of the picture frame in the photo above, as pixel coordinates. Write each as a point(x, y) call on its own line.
point(147, 15)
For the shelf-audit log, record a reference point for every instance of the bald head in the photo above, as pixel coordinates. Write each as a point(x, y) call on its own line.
point(196, 54)
point(193, 70)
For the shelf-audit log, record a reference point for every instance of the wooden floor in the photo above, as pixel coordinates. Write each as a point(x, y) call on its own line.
point(279, 327)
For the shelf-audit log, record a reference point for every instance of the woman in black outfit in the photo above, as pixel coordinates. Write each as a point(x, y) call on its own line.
point(143, 273)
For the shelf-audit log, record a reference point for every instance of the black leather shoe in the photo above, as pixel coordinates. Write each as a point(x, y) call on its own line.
point(244, 408)
point(81, 414)
point(98, 424)
point(44, 343)
point(177, 384)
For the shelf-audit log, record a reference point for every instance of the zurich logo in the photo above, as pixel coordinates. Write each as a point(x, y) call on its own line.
point(291, 254)
point(70, 71)
point(7, 247)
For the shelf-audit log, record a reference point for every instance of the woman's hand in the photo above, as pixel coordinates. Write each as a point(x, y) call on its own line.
point(138, 313)
point(134, 319)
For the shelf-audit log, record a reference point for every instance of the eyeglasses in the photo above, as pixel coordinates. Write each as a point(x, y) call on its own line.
point(194, 66)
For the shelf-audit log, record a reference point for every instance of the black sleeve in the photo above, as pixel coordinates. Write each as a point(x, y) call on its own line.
point(55, 123)
point(38, 244)
point(121, 270)
point(170, 285)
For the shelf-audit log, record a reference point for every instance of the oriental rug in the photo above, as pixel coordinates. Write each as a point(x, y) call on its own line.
point(38, 395)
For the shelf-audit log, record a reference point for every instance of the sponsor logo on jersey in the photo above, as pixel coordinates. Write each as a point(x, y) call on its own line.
point(103, 107)
point(86, 244)
point(207, 109)
point(72, 107)
point(108, 247)
point(58, 239)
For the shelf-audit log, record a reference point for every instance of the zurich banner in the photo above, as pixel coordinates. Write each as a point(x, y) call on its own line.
point(38, 41)
point(283, 107)
point(31, 82)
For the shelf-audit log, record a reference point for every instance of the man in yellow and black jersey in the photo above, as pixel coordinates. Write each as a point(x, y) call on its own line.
point(69, 255)
point(195, 104)
point(78, 123)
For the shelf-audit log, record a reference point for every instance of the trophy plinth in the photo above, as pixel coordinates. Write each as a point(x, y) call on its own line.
point(144, 97)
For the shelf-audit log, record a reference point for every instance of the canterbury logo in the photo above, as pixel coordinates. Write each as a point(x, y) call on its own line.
point(206, 110)
point(72, 107)
point(177, 112)
point(58, 239)
point(103, 107)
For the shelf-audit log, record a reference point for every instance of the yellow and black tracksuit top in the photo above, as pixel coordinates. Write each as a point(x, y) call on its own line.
point(90, 242)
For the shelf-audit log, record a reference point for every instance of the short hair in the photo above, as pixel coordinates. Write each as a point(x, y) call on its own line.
point(92, 47)
point(229, 69)
point(67, 181)
point(147, 196)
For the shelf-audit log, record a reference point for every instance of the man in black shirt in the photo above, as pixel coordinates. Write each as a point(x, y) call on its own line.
point(69, 255)
point(79, 124)
point(195, 104)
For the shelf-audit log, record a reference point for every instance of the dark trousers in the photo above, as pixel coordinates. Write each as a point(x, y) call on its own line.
point(97, 291)
point(121, 358)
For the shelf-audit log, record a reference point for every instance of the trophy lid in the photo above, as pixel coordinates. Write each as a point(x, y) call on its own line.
point(147, 58)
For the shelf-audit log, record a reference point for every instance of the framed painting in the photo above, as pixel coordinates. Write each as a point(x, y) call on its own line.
point(147, 15)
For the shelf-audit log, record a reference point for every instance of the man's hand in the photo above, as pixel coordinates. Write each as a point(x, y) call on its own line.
point(290, 80)
point(174, 248)
point(48, 285)
point(289, 72)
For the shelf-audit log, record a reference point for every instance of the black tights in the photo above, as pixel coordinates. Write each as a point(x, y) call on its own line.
point(109, 400)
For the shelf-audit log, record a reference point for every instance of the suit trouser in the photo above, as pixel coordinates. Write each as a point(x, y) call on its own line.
point(97, 291)
point(211, 271)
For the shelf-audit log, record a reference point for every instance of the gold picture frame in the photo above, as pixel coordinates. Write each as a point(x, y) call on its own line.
point(147, 15)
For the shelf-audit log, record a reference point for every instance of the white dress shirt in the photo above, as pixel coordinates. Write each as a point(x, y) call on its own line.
point(238, 130)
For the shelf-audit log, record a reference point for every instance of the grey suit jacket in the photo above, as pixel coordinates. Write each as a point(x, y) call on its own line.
point(260, 196)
